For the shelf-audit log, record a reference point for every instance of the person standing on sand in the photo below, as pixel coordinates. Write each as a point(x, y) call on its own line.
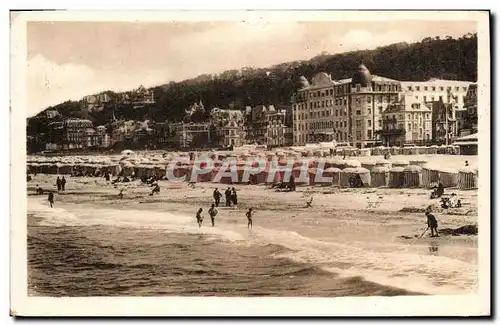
point(217, 195)
point(212, 212)
point(249, 217)
point(432, 223)
point(227, 193)
point(199, 218)
point(51, 199)
point(63, 183)
point(58, 183)
point(234, 197)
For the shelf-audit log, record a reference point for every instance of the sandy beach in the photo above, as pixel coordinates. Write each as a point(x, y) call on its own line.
point(365, 235)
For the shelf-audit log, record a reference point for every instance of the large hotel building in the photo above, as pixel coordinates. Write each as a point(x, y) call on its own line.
point(352, 110)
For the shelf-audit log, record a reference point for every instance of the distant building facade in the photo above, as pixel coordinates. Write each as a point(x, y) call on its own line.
point(434, 90)
point(469, 125)
point(266, 126)
point(229, 127)
point(406, 122)
point(190, 134)
point(348, 110)
point(72, 134)
point(352, 110)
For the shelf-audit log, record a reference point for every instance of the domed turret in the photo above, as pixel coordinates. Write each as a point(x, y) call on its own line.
point(362, 76)
point(303, 82)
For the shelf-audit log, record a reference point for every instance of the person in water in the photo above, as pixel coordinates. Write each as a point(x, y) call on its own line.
point(227, 194)
point(234, 197)
point(51, 199)
point(63, 184)
point(249, 215)
point(39, 190)
point(432, 224)
point(199, 218)
point(217, 195)
point(212, 212)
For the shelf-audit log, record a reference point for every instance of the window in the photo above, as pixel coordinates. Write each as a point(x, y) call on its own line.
point(425, 98)
point(457, 88)
point(379, 109)
point(336, 113)
point(400, 126)
point(416, 96)
point(345, 101)
point(409, 126)
point(465, 89)
point(358, 123)
point(401, 116)
point(369, 111)
point(358, 112)
point(322, 104)
point(380, 123)
point(394, 117)
point(368, 99)
point(433, 88)
point(369, 134)
point(432, 98)
point(425, 88)
point(417, 88)
point(410, 88)
point(358, 88)
point(369, 123)
point(345, 125)
point(448, 88)
point(358, 100)
point(336, 124)
point(441, 88)
point(358, 135)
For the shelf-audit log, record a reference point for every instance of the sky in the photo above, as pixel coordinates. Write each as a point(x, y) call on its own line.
point(68, 60)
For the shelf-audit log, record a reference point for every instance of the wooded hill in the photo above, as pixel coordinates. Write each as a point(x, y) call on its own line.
point(447, 58)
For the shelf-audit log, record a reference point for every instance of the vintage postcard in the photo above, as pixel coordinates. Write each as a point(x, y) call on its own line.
point(250, 163)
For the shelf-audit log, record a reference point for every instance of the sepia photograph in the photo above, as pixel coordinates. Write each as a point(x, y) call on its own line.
point(208, 157)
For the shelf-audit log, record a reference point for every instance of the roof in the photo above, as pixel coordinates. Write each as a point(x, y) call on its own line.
point(468, 138)
point(439, 81)
point(465, 143)
point(408, 103)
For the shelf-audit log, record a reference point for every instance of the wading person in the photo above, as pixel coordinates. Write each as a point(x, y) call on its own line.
point(249, 215)
point(212, 212)
point(39, 190)
point(199, 218)
point(432, 224)
point(58, 183)
point(51, 199)
point(217, 195)
point(63, 183)
point(227, 193)
point(234, 197)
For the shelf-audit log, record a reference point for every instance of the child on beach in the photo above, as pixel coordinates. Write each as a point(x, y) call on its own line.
point(212, 212)
point(51, 199)
point(199, 218)
point(249, 217)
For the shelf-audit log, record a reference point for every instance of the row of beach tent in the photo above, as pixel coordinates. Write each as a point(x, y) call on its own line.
point(334, 172)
